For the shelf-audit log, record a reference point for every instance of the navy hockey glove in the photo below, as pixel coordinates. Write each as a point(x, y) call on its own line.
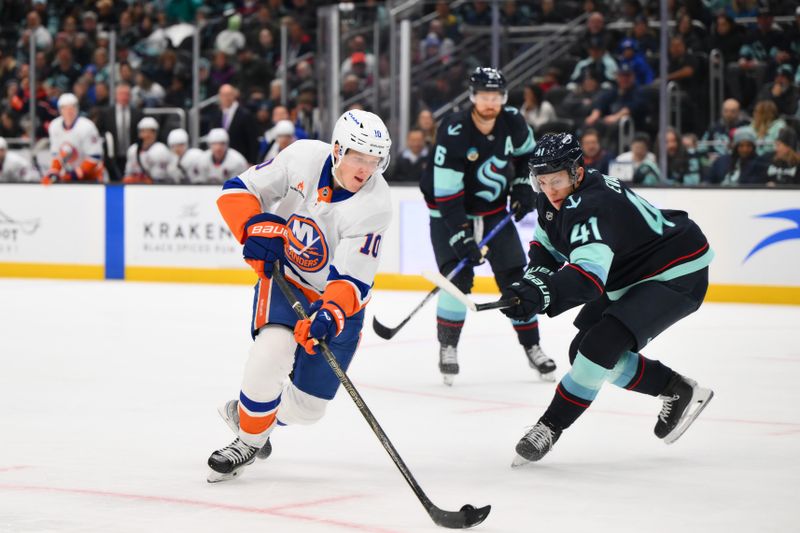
point(464, 245)
point(523, 198)
point(266, 241)
point(533, 291)
point(328, 323)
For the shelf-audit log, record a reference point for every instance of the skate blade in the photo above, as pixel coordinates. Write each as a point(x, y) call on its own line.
point(548, 376)
point(217, 477)
point(232, 422)
point(699, 402)
point(519, 461)
point(448, 379)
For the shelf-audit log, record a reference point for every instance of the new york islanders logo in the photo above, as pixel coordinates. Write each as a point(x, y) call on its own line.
point(307, 248)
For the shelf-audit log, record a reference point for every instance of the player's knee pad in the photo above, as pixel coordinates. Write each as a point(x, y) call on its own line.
point(298, 407)
point(270, 361)
point(606, 341)
point(464, 280)
point(507, 277)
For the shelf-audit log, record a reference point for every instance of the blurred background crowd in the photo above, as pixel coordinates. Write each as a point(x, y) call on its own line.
point(129, 65)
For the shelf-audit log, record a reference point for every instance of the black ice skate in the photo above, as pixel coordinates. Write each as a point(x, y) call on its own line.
point(229, 411)
point(535, 444)
point(683, 401)
point(448, 363)
point(539, 361)
point(229, 462)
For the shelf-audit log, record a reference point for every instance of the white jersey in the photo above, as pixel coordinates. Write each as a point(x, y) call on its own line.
point(333, 235)
point(71, 146)
point(15, 168)
point(152, 162)
point(186, 168)
point(231, 165)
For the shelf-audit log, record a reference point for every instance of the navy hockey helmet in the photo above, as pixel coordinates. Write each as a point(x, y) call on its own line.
point(487, 79)
point(555, 152)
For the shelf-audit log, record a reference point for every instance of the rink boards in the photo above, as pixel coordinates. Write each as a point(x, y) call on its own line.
point(175, 233)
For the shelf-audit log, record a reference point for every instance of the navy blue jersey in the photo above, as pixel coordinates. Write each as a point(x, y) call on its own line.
point(471, 173)
point(611, 239)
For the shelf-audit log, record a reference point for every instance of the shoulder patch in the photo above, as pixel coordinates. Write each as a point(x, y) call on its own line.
point(454, 129)
point(512, 110)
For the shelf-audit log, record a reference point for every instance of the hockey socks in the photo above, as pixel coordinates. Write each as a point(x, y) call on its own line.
point(448, 331)
point(575, 393)
point(527, 331)
point(636, 372)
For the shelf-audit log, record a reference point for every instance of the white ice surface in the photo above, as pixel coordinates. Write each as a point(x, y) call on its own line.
point(108, 395)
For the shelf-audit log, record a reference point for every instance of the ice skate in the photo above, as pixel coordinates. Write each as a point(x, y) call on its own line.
point(229, 462)
point(539, 361)
point(448, 363)
point(535, 444)
point(683, 401)
point(229, 411)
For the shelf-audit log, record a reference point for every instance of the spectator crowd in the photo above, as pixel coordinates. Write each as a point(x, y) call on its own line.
point(608, 78)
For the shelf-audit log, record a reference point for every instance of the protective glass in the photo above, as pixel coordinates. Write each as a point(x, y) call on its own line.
point(489, 98)
point(356, 159)
point(550, 182)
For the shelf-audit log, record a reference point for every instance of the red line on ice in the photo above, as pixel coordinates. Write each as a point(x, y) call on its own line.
point(17, 467)
point(276, 510)
point(500, 405)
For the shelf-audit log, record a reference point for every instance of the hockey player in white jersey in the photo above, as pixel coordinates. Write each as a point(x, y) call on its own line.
point(75, 148)
point(184, 165)
point(13, 167)
point(220, 162)
point(147, 160)
point(320, 210)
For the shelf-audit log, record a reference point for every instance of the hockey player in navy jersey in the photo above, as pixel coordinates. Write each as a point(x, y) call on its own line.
point(480, 157)
point(637, 269)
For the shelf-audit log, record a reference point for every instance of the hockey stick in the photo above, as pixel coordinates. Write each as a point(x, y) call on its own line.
point(447, 286)
point(387, 333)
point(468, 516)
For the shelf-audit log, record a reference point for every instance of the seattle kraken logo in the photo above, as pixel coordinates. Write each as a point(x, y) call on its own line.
point(784, 235)
point(489, 175)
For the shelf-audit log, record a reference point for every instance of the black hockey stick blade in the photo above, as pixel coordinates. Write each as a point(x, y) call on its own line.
point(386, 332)
point(466, 518)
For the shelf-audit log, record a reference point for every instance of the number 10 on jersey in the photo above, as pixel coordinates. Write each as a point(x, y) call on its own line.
point(372, 245)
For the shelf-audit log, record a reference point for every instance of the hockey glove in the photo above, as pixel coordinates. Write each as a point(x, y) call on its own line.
point(266, 241)
point(326, 324)
point(533, 291)
point(50, 178)
point(523, 199)
point(463, 243)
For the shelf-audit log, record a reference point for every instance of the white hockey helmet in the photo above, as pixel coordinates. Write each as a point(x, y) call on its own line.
point(3, 144)
point(67, 99)
point(177, 136)
point(147, 123)
point(363, 132)
point(283, 127)
point(217, 135)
